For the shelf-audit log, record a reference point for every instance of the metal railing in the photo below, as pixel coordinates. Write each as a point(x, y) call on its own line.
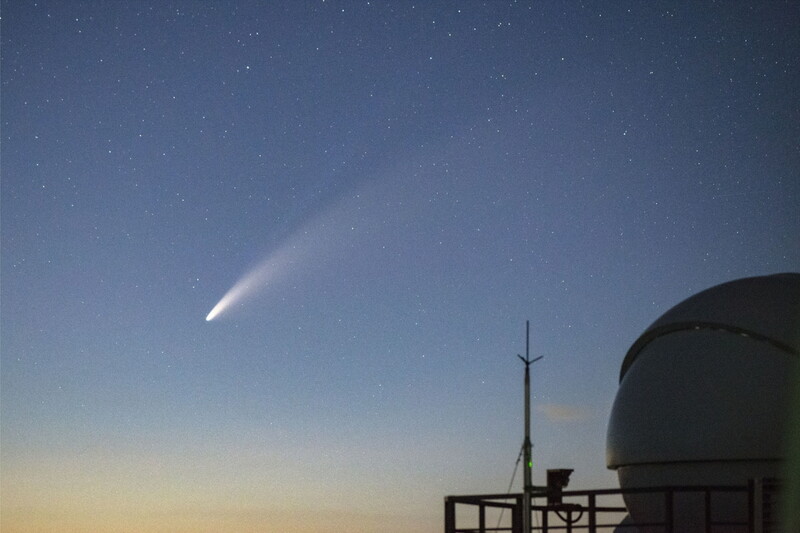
point(590, 511)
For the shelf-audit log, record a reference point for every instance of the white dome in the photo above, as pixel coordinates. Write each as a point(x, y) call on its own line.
point(704, 391)
point(765, 307)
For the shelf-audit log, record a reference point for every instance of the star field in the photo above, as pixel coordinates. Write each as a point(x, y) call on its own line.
point(424, 177)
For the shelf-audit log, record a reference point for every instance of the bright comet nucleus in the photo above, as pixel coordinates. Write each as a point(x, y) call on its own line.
point(215, 311)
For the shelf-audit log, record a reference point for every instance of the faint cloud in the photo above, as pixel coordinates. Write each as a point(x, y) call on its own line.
point(562, 413)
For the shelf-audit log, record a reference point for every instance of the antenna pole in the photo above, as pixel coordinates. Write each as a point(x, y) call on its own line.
point(527, 446)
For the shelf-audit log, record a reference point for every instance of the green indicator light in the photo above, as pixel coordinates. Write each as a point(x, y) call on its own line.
point(530, 464)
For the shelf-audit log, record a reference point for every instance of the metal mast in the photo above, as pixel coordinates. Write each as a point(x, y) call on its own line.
point(526, 445)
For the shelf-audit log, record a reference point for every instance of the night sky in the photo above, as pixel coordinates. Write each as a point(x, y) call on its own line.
point(411, 182)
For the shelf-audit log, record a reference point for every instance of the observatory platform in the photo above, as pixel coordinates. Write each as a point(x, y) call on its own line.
point(697, 432)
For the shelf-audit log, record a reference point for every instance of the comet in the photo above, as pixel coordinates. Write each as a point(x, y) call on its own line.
point(258, 279)
point(317, 239)
point(354, 219)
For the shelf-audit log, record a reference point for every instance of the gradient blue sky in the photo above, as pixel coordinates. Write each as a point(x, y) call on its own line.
point(424, 177)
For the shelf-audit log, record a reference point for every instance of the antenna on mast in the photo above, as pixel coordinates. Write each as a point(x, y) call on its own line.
point(527, 446)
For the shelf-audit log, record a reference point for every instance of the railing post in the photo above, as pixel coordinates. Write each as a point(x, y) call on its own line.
point(755, 506)
point(592, 513)
point(516, 517)
point(669, 510)
point(482, 518)
point(449, 515)
point(708, 510)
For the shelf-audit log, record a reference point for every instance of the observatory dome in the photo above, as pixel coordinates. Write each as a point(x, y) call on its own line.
point(704, 391)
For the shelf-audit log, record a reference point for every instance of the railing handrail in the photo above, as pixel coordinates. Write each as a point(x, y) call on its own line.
point(605, 492)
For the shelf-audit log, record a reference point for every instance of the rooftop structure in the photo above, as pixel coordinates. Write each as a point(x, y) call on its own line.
point(696, 433)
